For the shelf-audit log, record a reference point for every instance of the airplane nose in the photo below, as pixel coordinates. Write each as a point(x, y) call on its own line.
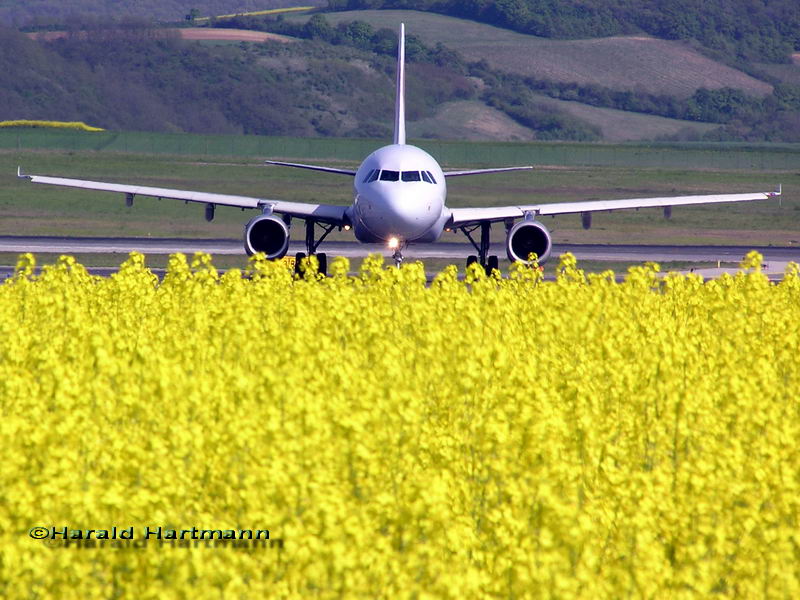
point(407, 215)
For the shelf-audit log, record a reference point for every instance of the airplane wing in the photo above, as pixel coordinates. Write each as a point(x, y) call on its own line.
point(311, 167)
point(484, 171)
point(470, 216)
point(328, 213)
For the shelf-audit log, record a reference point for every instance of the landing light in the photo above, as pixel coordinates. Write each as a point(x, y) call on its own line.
point(393, 243)
point(347, 227)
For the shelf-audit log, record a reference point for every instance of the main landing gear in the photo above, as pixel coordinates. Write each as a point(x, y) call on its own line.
point(488, 262)
point(311, 246)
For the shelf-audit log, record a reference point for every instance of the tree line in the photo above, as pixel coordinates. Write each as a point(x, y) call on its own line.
point(745, 29)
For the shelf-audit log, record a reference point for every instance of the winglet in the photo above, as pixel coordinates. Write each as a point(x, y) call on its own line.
point(22, 175)
point(777, 193)
point(400, 91)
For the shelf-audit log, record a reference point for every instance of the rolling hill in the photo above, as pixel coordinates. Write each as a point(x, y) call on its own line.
point(638, 63)
point(491, 83)
point(469, 120)
point(637, 74)
point(626, 126)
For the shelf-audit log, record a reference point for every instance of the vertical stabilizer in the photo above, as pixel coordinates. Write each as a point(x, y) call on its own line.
point(400, 92)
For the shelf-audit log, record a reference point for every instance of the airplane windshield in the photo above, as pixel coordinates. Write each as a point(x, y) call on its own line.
point(406, 176)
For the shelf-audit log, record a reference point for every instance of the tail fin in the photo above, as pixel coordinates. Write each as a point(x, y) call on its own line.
point(400, 101)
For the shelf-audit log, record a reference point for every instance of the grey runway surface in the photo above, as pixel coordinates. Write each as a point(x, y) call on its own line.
point(775, 258)
point(446, 250)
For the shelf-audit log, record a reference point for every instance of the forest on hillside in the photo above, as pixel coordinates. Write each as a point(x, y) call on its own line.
point(131, 74)
point(775, 117)
point(140, 79)
point(747, 29)
point(739, 29)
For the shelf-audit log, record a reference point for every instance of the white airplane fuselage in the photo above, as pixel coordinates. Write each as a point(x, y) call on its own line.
point(399, 192)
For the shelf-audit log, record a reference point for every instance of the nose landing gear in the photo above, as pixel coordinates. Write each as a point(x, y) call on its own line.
point(396, 245)
point(398, 258)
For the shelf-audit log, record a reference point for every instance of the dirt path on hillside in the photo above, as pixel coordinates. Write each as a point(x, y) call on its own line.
point(233, 35)
point(192, 33)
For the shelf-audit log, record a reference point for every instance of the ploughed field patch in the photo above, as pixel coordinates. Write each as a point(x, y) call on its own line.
point(190, 33)
point(230, 35)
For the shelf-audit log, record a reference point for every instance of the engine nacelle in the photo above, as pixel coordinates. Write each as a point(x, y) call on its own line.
point(526, 237)
point(267, 234)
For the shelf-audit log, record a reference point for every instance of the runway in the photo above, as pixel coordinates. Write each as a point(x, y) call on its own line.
point(775, 258)
point(444, 250)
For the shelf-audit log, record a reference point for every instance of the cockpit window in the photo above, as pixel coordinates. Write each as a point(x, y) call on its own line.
point(390, 175)
point(407, 176)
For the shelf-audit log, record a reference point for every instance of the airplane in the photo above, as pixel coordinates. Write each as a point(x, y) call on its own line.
point(399, 195)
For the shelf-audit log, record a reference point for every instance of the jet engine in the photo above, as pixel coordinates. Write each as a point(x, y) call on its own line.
point(267, 234)
point(526, 237)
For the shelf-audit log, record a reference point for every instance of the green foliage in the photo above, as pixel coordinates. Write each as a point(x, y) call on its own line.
point(433, 64)
point(513, 97)
point(749, 29)
point(130, 76)
point(787, 96)
point(774, 118)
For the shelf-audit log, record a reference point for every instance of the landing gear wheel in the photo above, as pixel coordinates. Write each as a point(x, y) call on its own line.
point(298, 258)
point(491, 264)
point(322, 259)
point(471, 259)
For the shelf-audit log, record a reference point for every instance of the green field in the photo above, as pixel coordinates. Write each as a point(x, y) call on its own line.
point(564, 172)
point(722, 156)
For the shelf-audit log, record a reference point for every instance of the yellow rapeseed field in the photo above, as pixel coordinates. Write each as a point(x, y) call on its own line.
point(77, 125)
point(511, 438)
point(259, 13)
